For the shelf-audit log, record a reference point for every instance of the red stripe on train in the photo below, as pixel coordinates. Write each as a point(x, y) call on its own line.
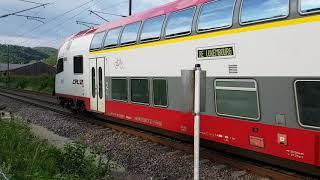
point(301, 145)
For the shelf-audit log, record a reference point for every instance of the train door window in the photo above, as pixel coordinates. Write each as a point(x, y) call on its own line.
point(237, 98)
point(96, 42)
point(119, 89)
point(263, 10)
point(151, 29)
point(216, 15)
point(160, 92)
point(180, 23)
point(308, 102)
point(78, 64)
point(60, 65)
point(112, 38)
point(93, 81)
point(140, 91)
point(100, 83)
point(130, 33)
point(309, 6)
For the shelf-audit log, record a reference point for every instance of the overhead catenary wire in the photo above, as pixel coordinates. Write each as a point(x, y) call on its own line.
point(14, 13)
point(32, 2)
point(57, 28)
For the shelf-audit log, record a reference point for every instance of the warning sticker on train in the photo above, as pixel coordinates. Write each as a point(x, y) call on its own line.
point(216, 52)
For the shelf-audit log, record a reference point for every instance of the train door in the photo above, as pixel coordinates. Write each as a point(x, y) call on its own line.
point(97, 85)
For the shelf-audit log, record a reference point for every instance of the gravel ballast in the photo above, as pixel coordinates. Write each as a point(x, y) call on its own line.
point(141, 159)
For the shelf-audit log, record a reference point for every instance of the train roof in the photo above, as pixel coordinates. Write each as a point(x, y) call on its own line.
point(161, 10)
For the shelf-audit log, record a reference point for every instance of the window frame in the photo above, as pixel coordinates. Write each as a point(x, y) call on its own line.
point(305, 13)
point(118, 40)
point(76, 73)
point(134, 102)
point(263, 20)
point(120, 78)
point(121, 34)
point(102, 42)
point(213, 29)
point(161, 31)
point(297, 102)
point(241, 89)
point(168, 19)
point(166, 91)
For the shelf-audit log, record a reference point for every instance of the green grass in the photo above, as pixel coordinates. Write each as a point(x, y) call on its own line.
point(23, 156)
point(43, 83)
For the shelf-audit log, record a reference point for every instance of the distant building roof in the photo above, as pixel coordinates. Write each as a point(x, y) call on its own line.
point(4, 67)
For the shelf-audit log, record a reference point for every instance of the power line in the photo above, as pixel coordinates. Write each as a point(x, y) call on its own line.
point(14, 13)
point(92, 12)
point(119, 15)
point(32, 2)
point(56, 17)
point(56, 27)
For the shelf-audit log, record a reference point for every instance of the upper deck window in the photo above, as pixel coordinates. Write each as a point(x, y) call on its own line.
point(112, 37)
point(96, 42)
point(180, 22)
point(309, 6)
point(308, 102)
point(151, 29)
point(130, 33)
point(263, 10)
point(215, 15)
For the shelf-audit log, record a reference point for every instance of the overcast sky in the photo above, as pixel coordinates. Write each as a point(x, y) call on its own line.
point(20, 31)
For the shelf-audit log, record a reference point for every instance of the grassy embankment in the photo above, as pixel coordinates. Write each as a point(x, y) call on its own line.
point(42, 83)
point(23, 156)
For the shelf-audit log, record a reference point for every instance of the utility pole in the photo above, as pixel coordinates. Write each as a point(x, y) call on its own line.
point(8, 70)
point(130, 7)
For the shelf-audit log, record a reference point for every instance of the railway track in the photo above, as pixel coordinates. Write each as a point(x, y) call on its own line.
point(49, 102)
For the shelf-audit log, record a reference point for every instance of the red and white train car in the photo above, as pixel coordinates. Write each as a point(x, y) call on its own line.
point(262, 84)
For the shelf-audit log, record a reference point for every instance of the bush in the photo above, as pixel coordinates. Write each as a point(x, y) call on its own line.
point(43, 83)
point(22, 156)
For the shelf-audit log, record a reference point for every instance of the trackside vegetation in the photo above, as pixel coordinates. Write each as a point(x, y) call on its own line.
point(43, 83)
point(23, 156)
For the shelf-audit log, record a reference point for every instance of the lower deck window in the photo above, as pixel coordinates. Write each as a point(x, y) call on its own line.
point(160, 94)
point(140, 91)
point(120, 89)
point(308, 102)
point(237, 98)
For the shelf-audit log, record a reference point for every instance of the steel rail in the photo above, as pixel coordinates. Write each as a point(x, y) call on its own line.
point(215, 156)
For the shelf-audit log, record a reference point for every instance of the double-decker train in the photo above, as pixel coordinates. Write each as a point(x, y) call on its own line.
point(261, 59)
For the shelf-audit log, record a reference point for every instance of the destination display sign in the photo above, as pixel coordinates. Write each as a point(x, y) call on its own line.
point(217, 52)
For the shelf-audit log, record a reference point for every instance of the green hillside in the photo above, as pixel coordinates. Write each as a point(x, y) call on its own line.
point(24, 55)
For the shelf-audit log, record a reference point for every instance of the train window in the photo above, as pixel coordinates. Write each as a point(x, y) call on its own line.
point(100, 83)
point(309, 6)
point(160, 94)
point(119, 89)
point(78, 64)
point(130, 33)
point(112, 38)
point(96, 42)
point(180, 23)
point(308, 102)
point(60, 65)
point(151, 29)
point(93, 82)
point(237, 98)
point(140, 91)
point(216, 15)
point(263, 10)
